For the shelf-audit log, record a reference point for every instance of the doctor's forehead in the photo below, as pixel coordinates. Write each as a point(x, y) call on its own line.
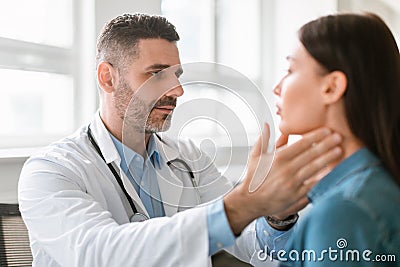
point(157, 51)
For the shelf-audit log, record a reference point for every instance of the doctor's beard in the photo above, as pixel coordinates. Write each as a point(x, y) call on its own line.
point(139, 116)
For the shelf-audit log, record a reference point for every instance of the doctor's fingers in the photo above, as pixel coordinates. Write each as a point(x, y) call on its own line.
point(309, 164)
point(261, 146)
point(282, 140)
point(259, 161)
point(322, 136)
point(308, 152)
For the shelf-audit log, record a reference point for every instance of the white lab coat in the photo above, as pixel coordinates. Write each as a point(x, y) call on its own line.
point(77, 215)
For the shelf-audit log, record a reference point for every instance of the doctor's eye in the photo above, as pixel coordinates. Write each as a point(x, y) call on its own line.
point(158, 73)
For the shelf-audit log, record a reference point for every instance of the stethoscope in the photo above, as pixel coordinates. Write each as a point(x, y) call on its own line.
point(138, 216)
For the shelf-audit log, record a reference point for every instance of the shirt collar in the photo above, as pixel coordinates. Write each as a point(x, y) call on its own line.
point(153, 150)
point(127, 154)
point(357, 162)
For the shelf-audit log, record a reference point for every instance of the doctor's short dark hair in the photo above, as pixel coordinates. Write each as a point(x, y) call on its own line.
point(117, 42)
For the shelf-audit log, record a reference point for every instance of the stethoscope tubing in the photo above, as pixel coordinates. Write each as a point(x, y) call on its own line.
point(137, 216)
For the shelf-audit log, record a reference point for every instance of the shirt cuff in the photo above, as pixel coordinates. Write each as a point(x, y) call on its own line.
point(270, 238)
point(220, 234)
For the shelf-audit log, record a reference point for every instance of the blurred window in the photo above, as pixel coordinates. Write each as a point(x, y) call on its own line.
point(40, 64)
point(226, 32)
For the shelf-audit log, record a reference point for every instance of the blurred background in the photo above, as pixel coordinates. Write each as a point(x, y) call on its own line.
point(47, 68)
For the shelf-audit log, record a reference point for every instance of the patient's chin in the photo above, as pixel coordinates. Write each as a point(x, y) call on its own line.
point(290, 130)
point(285, 129)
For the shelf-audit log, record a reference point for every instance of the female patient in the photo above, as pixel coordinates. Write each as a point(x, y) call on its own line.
point(345, 74)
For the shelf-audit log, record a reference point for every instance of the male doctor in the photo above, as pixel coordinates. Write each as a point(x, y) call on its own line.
point(99, 198)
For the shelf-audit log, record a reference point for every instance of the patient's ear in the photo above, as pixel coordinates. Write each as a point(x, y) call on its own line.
point(106, 77)
point(335, 87)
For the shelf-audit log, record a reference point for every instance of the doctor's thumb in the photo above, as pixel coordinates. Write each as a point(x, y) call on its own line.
point(261, 146)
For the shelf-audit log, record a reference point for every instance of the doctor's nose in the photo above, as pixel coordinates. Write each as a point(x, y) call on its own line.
point(176, 91)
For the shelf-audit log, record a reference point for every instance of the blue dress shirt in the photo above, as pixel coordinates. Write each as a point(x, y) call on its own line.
point(355, 218)
point(141, 172)
point(221, 236)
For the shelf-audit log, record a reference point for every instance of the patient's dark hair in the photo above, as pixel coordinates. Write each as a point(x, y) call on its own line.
point(364, 49)
point(117, 42)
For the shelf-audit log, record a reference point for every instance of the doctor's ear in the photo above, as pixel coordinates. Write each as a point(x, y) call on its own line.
point(336, 86)
point(106, 76)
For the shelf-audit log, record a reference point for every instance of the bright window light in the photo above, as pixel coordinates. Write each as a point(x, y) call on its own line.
point(35, 103)
point(40, 21)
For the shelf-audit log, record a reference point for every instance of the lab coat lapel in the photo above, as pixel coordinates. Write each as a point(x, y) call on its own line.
point(170, 185)
point(111, 155)
point(132, 192)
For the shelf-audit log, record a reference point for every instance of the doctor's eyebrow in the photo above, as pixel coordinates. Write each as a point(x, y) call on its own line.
point(158, 67)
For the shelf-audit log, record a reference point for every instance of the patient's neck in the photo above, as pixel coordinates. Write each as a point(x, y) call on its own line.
point(349, 146)
point(336, 121)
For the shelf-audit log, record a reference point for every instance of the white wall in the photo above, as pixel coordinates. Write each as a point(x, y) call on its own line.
point(388, 10)
point(107, 9)
point(9, 173)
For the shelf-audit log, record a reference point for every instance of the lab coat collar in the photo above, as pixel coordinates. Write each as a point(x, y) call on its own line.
point(165, 149)
point(169, 184)
point(104, 141)
point(110, 154)
point(171, 188)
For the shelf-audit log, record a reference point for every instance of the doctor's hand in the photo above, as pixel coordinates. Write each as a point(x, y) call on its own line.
point(283, 188)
